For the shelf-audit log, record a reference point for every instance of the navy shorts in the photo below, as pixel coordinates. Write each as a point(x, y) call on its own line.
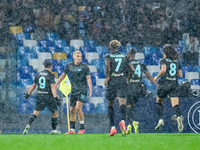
point(46, 101)
point(113, 91)
point(168, 88)
point(77, 97)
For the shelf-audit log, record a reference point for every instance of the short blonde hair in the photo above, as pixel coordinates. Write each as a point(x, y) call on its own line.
point(76, 52)
point(114, 44)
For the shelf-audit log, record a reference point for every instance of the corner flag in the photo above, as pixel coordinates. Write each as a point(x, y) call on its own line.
point(65, 88)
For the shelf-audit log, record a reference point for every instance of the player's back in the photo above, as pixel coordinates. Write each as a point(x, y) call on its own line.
point(118, 67)
point(139, 69)
point(43, 80)
point(172, 68)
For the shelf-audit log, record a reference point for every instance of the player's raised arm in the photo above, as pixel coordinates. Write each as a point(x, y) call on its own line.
point(60, 79)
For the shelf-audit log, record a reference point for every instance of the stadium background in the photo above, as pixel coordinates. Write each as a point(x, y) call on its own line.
point(26, 42)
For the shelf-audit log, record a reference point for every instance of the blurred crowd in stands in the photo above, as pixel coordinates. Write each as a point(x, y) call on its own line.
point(133, 22)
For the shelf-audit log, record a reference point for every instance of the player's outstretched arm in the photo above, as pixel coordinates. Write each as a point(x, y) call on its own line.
point(60, 79)
point(53, 90)
point(151, 78)
point(162, 71)
point(32, 88)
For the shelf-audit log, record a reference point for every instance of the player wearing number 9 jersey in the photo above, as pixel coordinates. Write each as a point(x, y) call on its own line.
point(46, 96)
point(116, 66)
point(168, 85)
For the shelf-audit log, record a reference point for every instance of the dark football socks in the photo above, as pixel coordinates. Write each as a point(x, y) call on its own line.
point(130, 115)
point(159, 108)
point(54, 122)
point(123, 112)
point(111, 115)
point(31, 119)
point(177, 110)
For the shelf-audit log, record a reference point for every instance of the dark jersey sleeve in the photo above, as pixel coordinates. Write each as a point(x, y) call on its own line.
point(36, 79)
point(107, 57)
point(66, 70)
point(162, 62)
point(87, 70)
point(52, 79)
point(179, 65)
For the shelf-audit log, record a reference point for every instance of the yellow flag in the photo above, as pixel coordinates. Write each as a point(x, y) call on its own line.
point(65, 86)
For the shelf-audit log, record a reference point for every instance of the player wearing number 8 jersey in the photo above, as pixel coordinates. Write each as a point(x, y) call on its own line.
point(46, 96)
point(168, 84)
point(116, 66)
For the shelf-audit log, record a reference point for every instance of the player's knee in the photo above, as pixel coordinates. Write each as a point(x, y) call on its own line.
point(78, 109)
point(55, 114)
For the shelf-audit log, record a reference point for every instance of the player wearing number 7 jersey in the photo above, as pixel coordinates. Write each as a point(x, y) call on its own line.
point(46, 96)
point(168, 84)
point(116, 66)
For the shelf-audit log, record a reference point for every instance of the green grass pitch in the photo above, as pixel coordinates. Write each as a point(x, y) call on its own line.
point(142, 141)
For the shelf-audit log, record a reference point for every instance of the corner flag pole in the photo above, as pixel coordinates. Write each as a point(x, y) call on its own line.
point(68, 123)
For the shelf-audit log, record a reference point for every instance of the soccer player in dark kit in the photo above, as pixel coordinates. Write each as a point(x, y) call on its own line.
point(46, 96)
point(168, 84)
point(80, 75)
point(117, 67)
point(135, 88)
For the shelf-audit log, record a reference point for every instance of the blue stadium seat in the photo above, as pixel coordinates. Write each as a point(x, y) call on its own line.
point(179, 49)
point(54, 61)
point(127, 48)
point(148, 61)
point(88, 108)
point(197, 69)
point(182, 43)
point(187, 69)
point(52, 49)
point(181, 80)
point(98, 63)
point(85, 61)
point(29, 29)
point(148, 84)
point(23, 108)
point(101, 50)
point(32, 75)
point(58, 69)
point(148, 51)
point(24, 82)
point(52, 36)
point(45, 44)
point(69, 50)
point(97, 91)
point(64, 62)
point(195, 81)
point(37, 49)
point(24, 71)
point(159, 51)
point(96, 75)
point(85, 49)
point(21, 50)
point(22, 36)
point(102, 108)
point(90, 43)
point(155, 59)
point(60, 43)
